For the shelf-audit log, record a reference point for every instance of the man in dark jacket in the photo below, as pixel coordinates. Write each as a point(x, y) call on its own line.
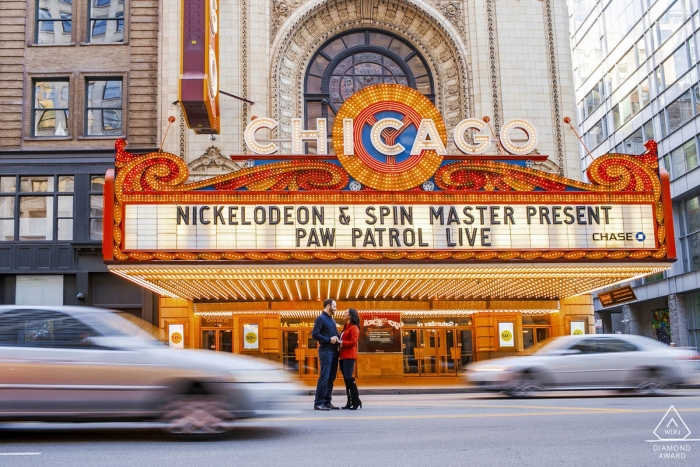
point(326, 334)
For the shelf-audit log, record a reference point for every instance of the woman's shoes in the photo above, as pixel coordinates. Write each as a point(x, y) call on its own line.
point(347, 391)
point(355, 396)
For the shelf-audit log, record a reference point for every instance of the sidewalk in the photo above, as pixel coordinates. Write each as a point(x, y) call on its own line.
point(404, 385)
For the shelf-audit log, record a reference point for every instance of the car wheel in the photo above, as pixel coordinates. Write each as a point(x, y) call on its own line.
point(527, 385)
point(197, 414)
point(652, 383)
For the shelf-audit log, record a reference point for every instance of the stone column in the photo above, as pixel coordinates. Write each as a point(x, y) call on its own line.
point(678, 319)
point(631, 320)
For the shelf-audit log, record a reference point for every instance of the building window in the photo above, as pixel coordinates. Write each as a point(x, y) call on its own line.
point(7, 208)
point(626, 66)
point(691, 230)
point(97, 183)
point(692, 303)
point(679, 112)
point(50, 108)
point(580, 11)
point(42, 208)
point(674, 67)
point(648, 131)
point(634, 144)
point(641, 51)
point(593, 99)
point(589, 53)
point(596, 134)
point(683, 159)
point(354, 60)
point(103, 107)
point(630, 105)
point(669, 22)
point(53, 21)
point(106, 24)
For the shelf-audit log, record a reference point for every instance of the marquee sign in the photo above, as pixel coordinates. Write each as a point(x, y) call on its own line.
point(199, 62)
point(389, 192)
point(206, 227)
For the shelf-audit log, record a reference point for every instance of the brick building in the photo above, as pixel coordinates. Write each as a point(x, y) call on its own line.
point(75, 76)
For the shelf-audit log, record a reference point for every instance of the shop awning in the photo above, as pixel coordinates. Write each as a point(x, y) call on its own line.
point(381, 282)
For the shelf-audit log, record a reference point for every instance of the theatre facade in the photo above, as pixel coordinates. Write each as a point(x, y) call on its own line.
point(409, 159)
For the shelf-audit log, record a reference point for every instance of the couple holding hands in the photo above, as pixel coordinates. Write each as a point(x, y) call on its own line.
point(335, 348)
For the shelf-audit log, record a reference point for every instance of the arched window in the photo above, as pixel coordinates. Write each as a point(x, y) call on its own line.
point(354, 60)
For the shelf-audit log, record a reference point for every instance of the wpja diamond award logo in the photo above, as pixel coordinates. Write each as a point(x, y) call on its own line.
point(672, 436)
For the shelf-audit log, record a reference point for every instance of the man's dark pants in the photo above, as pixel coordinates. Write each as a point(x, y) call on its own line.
point(328, 359)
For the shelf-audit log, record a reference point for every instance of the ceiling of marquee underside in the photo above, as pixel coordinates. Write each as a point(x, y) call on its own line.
point(434, 282)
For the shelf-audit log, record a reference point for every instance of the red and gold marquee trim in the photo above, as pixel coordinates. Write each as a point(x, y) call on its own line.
point(161, 177)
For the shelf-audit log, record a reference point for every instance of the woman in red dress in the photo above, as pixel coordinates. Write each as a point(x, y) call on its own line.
point(348, 356)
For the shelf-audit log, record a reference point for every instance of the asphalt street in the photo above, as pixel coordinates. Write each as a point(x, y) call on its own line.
point(392, 430)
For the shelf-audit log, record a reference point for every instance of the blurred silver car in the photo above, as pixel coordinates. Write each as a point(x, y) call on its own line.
point(89, 364)
point(597, 361)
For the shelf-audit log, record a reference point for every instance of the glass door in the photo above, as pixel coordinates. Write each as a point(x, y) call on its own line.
point(225, 340)
point(446, 351)
point(220, 340)
point(533, 336)
point(429, 342)
point(209, 339)
point(466, 351)
point(411, 352)
point(433, 352)
point(290, 350)
point(309, 363)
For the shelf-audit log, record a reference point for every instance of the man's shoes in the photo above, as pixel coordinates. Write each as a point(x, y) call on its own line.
point(321, 407)
point(330, 406)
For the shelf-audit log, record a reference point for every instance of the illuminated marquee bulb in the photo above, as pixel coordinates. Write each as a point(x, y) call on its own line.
point(527, 128)
point(428, 138)
point(249, 136)
point(461, 142)
point(381, 146)
point(318, 135)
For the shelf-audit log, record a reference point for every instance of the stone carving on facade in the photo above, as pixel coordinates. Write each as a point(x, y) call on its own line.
point(244, 70)
point(545, 166)
point(493, 63)
point(183, 135)
point(554, 76)
point(439, 44)
point(213, 162)
point(281, 9)
point(212, 158)
point(453, 12)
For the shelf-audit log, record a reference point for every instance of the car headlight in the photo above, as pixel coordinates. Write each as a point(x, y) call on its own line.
point(260, 376)
point(492, 368)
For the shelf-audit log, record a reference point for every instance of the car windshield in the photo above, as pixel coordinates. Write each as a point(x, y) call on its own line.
point(118, 324)
point(553, 347)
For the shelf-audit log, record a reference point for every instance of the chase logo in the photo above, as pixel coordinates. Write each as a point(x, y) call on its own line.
point(640, 236)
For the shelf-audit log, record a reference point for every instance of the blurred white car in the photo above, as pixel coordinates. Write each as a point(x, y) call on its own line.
point(89, 364)
point(593, 361)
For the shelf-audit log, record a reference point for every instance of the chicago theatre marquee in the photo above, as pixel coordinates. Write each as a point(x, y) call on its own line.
point(361, 173)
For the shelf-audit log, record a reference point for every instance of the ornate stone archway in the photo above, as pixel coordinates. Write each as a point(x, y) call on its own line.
point(311, 26)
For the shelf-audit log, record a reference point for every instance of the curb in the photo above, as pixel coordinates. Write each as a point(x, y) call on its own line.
point(414, 391)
